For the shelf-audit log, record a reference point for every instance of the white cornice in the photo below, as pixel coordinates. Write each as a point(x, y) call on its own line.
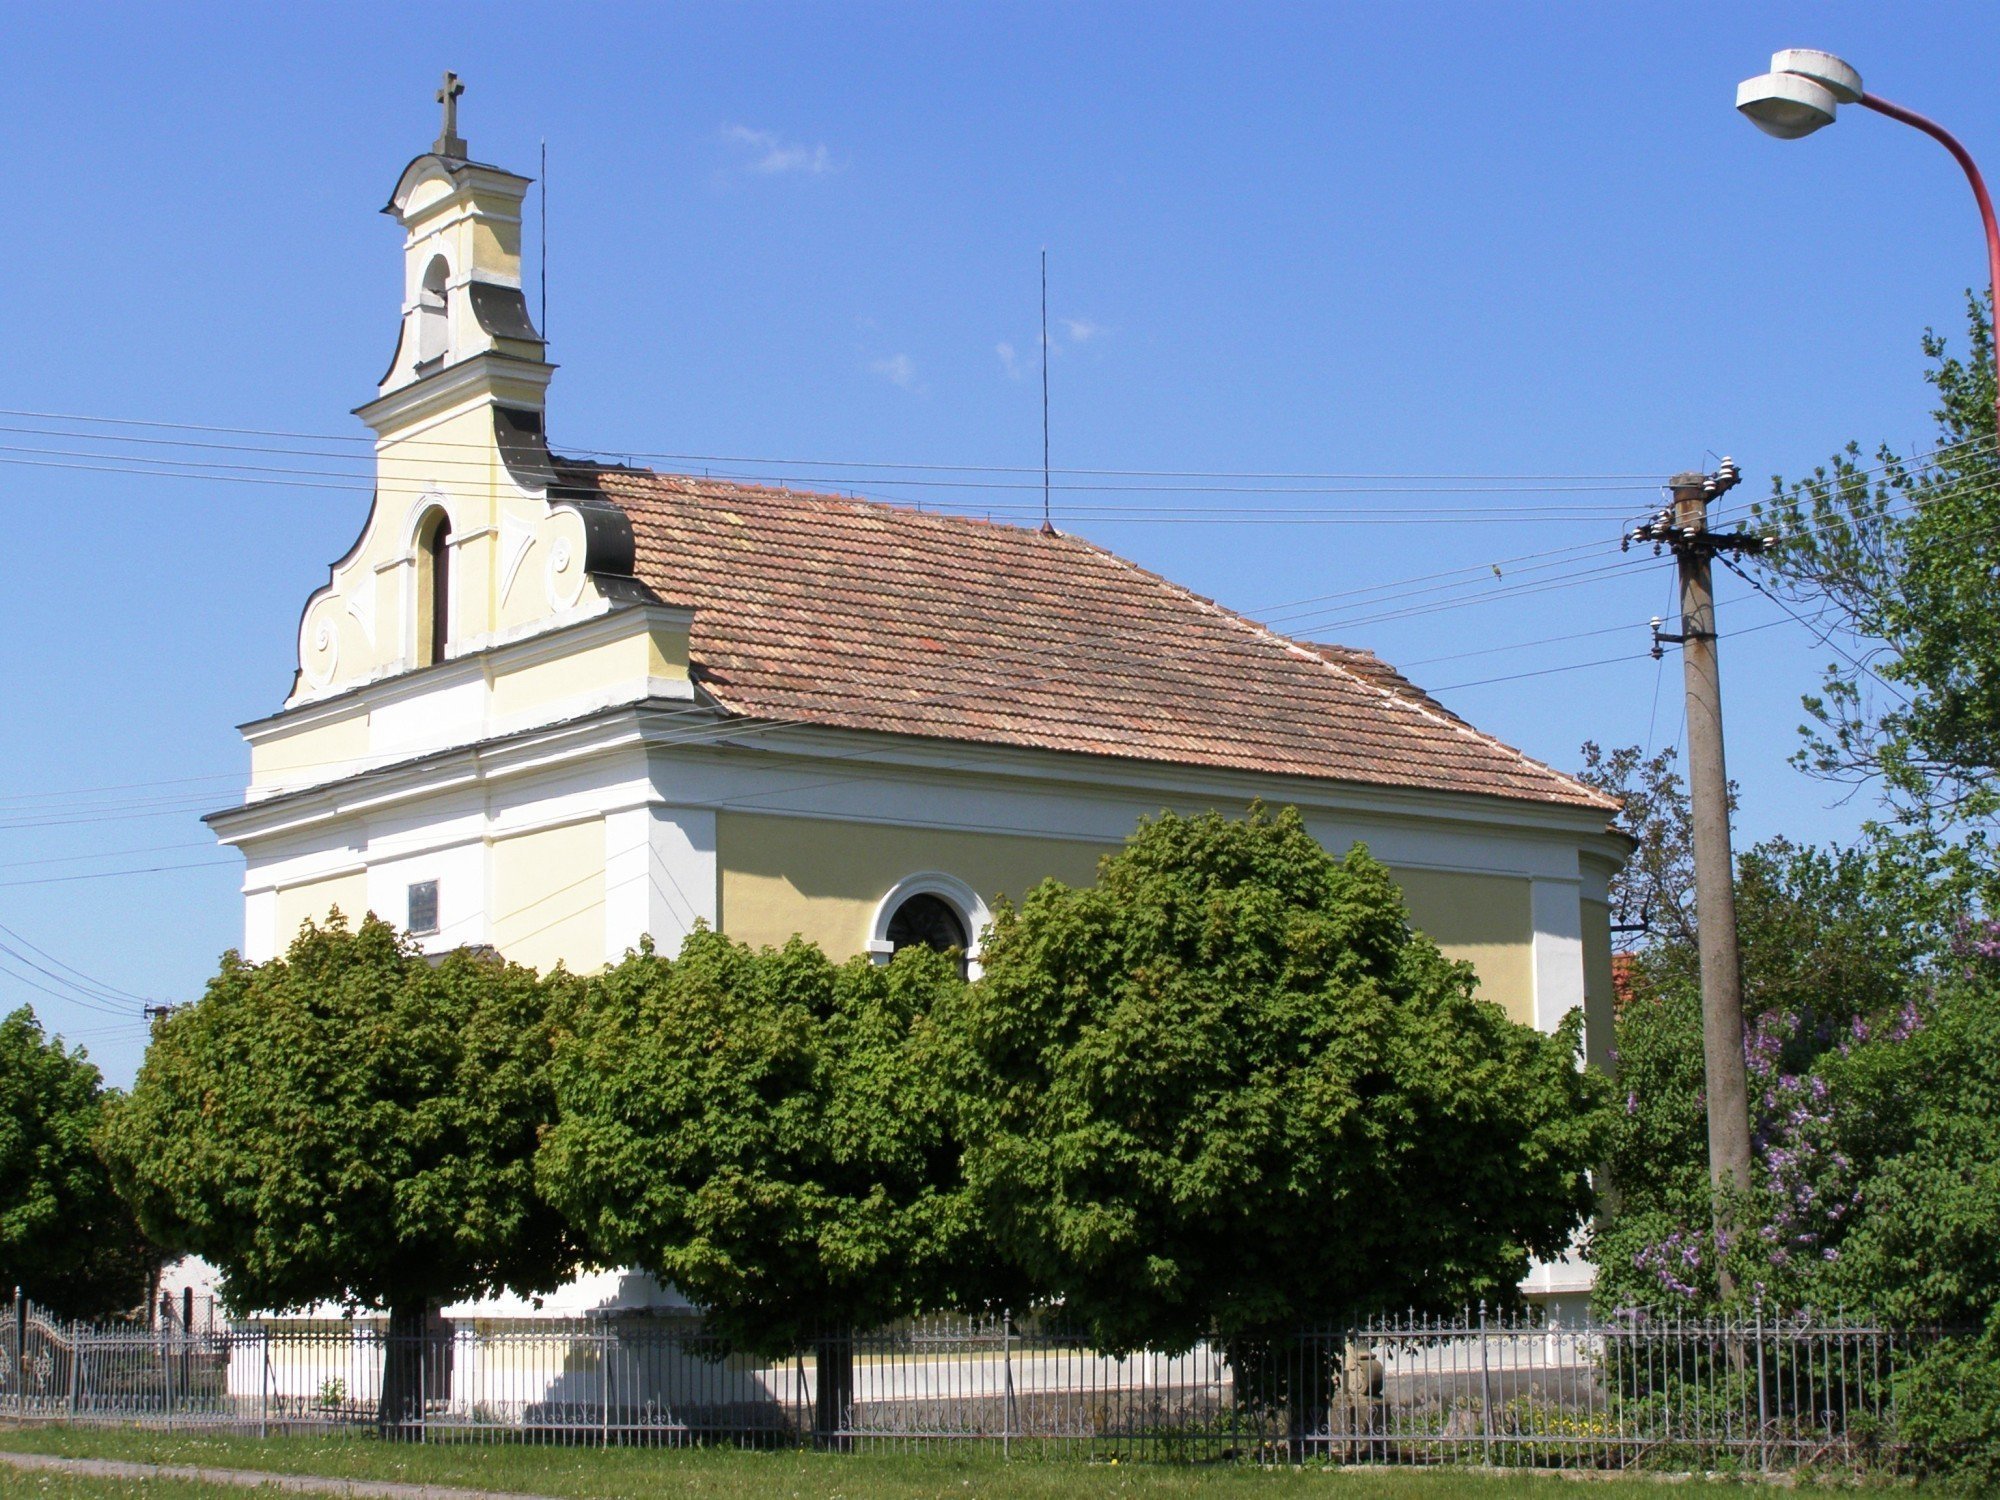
point(439, 772)
point(777, 756)
point(463, 382)
point(809, 743)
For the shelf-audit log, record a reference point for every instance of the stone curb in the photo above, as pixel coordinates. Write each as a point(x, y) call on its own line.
point(307, 1484)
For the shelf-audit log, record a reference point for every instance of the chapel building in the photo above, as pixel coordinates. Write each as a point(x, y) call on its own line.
point(556, 706)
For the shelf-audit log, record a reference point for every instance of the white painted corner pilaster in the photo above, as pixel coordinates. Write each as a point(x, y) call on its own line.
point(260, 926)
point(1557, 906)
point(660, 876)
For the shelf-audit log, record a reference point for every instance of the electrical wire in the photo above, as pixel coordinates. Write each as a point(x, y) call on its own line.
point(1622, 481)
point(198, 864)
point(78, 979)
point(74, 859)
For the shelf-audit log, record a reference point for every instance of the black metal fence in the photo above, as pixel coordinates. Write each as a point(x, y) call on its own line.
point(1645, 1390)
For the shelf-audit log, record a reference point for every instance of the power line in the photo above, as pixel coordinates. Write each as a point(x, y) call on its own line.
point(199, 864)
point(106, 991)
point(1504, 594)
point(1275, 613)
point(1621, 481)
point(75, 859)
point(1578, 666)
point(1823, 637)
point(1130, 515)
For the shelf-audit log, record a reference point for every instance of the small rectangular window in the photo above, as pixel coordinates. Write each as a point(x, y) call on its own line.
point(424, 907)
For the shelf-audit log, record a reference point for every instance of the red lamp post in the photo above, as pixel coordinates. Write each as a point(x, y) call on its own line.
point(1804, 90)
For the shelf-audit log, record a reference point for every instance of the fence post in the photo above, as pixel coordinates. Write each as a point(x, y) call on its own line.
point(166, 1346)
point(423, 1377)
point(187, 1346)
point(1763, 1414)
point(75, 1367)
point(20, 1353)
point(1007, 1386)
point(1485, 1391)
point(264, 1381)
point(604, 1383)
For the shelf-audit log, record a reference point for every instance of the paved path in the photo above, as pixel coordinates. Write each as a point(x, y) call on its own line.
point(310, 1484)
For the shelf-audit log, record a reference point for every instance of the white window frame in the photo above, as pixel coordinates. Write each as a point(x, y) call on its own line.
point(971, 908)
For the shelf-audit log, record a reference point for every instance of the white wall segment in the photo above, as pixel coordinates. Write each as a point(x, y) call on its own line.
point(660, 877)
point(1558, 912)
point(260, 925)
point(461, 875)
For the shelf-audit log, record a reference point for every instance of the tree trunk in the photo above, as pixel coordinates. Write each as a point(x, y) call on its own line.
point(833, 1392)
point(401, 1404)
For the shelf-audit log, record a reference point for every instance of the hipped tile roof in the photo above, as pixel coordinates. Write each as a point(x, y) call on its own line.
point(869, 616)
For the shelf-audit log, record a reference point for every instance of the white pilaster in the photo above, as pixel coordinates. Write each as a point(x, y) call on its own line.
point(660, 876)
point(1558, 912)
point(260, 926)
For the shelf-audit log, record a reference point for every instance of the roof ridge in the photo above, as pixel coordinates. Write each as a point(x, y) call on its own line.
point(1439, 715)
point(819, 497)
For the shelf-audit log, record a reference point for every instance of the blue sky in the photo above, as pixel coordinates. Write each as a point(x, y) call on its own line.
point(1371, 240)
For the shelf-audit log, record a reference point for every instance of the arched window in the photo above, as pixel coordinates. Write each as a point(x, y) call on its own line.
point(433, 588)
point(434, 313)
point(933, 910)
point(927, 921)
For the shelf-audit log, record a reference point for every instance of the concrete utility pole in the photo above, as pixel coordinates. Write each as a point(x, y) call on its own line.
point(1683, 527)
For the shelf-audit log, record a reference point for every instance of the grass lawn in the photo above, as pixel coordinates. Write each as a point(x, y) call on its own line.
point(619, 1473)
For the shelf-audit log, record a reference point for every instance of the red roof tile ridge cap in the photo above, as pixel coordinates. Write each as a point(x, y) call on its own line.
point(1438, 716)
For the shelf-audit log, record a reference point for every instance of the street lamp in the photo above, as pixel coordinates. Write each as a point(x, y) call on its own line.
point(1804, 91)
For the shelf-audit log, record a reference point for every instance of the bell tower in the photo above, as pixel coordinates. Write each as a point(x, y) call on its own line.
point(462, 294)
point(471, 542)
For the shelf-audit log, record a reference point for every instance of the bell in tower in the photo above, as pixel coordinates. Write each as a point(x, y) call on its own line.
point(462, 297)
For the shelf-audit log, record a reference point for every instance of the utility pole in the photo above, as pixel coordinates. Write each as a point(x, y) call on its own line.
point(1683, 528)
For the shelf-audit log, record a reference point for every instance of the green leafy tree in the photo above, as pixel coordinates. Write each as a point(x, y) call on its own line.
point(772, 1133)
point(351, 1123)
point(1926, 1252)
point(1227, 1091)
point(1899, 555)
point(66, 1238)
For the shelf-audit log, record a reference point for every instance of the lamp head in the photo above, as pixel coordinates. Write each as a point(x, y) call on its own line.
point(1801, 94)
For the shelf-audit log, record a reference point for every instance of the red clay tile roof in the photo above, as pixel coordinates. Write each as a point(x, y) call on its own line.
point(871, 616)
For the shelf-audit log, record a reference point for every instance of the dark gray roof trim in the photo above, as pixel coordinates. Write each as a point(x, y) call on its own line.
point(524, 447)
point(502, 311)
point(608, 548)
point(454, 167)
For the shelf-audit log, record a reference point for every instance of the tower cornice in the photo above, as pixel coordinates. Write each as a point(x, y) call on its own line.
point(503, 379)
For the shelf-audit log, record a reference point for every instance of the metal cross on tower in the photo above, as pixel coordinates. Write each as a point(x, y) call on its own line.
point(449, 141)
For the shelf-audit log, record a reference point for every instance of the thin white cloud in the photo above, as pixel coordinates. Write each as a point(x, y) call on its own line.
point(898, 369)
point(1082, 330)
point(1009, 360)
point(768, 154)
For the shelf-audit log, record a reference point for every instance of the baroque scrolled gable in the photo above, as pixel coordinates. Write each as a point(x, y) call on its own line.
point(471, 541)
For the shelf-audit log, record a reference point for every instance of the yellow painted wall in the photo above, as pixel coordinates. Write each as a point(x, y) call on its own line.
point(335, 744)
point(309, 754)
point(1599, 997)
point(600, 669)
point(548, 897)
point(1486, 920)
point(823, 880)
point(313, 900)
